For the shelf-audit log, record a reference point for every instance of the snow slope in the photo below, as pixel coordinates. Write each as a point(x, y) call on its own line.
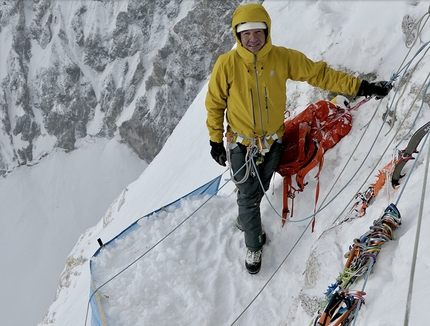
point(196, 275)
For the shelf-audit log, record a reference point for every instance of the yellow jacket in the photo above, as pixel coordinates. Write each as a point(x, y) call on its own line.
point(251, 87)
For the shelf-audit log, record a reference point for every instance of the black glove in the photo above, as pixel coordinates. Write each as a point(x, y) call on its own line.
point(218, 153)
point(380, 89)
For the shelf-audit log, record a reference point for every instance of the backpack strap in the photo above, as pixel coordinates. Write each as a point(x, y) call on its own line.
point(287, 187)
point(304, 130)
point(289, 193)
point(318, 159)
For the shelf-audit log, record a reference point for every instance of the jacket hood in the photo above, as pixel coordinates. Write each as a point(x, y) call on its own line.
point(251, 13)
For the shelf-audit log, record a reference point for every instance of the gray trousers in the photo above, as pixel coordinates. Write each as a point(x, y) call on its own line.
point(250, 192)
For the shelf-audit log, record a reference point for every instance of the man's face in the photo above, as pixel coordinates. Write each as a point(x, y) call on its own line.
point(253, 39)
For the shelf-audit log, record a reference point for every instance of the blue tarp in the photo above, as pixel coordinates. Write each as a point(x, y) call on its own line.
point(97, 316)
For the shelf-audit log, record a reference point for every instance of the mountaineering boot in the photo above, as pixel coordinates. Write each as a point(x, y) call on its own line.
point(253, 258)
point(253, 261)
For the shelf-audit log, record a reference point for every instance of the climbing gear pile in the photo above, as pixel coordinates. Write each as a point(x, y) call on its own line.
point(341, 304)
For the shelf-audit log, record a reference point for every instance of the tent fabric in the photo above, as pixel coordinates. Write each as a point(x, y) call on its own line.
point(97, 314)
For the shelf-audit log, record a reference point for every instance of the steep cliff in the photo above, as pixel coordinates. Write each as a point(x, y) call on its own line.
point(127, 69)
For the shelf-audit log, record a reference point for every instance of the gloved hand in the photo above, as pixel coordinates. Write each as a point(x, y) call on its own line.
point(218, 153)
point(380, 89)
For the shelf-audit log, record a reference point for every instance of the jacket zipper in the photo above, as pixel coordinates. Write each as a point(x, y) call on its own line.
point(266, 97)
point(252, 108)
point(258, 95)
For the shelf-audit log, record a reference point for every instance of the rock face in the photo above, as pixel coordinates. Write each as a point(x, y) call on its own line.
point(106, 68)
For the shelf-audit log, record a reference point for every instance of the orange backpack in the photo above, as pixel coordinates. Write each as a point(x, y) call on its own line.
point(306, 138)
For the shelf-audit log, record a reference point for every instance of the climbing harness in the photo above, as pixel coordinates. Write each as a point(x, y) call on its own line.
point(255, 150)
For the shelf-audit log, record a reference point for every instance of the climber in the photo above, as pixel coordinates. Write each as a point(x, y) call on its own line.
point(248, 86)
